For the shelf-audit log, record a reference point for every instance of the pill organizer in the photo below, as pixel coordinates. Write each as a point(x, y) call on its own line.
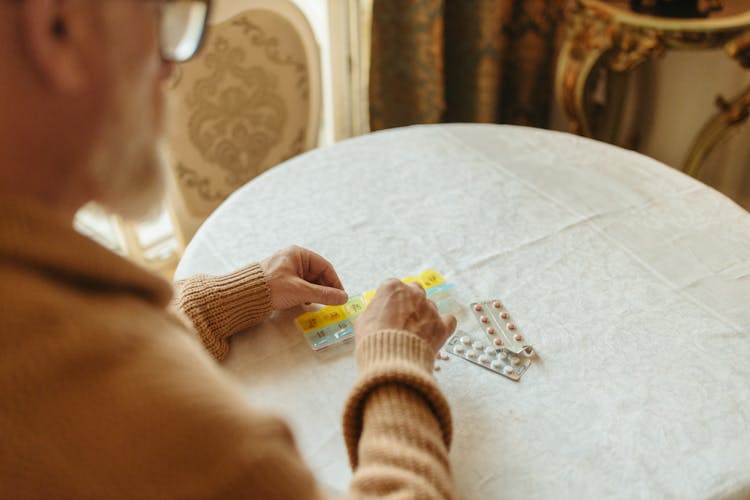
point(496, 345)
point(334, 325)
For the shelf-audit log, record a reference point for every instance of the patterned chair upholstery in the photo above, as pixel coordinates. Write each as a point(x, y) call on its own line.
point(248, 101)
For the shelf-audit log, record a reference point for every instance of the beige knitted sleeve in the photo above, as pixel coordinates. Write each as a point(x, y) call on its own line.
point(397, 423)
point(219, 306)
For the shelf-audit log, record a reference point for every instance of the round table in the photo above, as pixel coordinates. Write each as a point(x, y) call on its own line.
point(630, 279)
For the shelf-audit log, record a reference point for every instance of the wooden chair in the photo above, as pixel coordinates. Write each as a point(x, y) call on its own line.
point(250, 100)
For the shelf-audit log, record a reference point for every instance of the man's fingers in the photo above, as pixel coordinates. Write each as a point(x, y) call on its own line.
point(390, 284)
point(432, 305)
point(326, 295)
point(450, 323)
point(329, 278)
point(319, 270)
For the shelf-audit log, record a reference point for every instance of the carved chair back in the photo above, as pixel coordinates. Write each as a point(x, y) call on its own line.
point(247, 102)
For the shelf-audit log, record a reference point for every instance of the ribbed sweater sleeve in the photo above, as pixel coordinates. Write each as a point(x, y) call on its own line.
point(397, 423)
point(219, 306)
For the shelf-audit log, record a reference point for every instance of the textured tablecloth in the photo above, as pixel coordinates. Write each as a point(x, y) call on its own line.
point(631, 280)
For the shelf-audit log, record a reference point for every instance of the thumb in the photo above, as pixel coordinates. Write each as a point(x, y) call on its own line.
point(450, 323)
point(319, 294)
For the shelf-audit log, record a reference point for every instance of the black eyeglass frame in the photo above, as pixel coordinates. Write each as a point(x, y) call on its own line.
point(198, 44)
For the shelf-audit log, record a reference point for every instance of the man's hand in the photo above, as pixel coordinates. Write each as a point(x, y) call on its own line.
point(296, 275)
point(405, 307)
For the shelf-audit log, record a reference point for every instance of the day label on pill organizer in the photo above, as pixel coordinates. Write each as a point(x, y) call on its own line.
point(479, 350)
point(334, 325)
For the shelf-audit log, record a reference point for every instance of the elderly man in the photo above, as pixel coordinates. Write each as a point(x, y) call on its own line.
point(105, 389)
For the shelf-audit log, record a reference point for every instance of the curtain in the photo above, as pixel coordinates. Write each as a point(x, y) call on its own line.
point(489, 61)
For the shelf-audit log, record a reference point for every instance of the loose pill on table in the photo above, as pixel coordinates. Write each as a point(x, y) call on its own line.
point(478, 307)
point(518, 337)
point(484, 319)
point(478, 345)
point(508, 369)
point(437, 368)
point(490, 331)
point(466, 340)
point(497, 304)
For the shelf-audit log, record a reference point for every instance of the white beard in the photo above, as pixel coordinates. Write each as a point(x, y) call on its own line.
point(134, 191)
point(128, 166)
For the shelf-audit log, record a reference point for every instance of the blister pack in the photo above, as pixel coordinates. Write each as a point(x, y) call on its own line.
point(333, 325)
point(496, 345)
point(500, 328)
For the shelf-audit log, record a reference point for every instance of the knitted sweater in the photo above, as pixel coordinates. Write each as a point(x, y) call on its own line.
point(105, 392)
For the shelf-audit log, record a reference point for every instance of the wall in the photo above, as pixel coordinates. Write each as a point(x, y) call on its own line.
point(317, 13)
point(677, 103)
point(670, 99)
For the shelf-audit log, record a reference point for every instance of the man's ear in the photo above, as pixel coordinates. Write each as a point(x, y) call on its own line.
point(52, 31)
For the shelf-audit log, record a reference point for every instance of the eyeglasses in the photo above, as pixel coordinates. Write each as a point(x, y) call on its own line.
point(182, 27)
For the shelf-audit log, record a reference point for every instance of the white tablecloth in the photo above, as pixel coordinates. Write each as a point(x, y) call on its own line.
point(631, 280)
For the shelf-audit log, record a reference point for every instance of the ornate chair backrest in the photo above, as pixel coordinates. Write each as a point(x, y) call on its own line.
point(247, 102)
